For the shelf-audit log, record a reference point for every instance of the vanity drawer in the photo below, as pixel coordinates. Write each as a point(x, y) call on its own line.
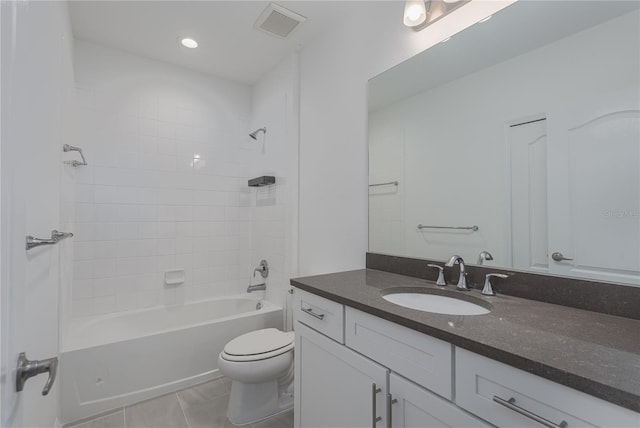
point(416, 356)
point(480, 379)
point(323, 315)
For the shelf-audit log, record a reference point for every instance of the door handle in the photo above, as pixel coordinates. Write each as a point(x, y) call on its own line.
point(27, 369)
point(558, 256)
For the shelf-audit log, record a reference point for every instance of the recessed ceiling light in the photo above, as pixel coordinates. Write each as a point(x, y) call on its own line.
point(486, 19)
point(188, 43)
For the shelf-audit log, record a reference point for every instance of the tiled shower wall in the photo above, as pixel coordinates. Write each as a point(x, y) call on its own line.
point(166, 185)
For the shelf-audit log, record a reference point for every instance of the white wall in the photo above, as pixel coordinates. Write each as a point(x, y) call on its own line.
point(166, 187)
point(37, 105)
point(455, 175)
point(274, 226)
point(334, 71)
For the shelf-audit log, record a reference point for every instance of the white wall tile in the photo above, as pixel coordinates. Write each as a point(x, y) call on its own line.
point(166, 188)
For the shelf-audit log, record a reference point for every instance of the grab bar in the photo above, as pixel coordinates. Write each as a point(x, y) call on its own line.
point(474, 227)
point(56, 236)
point(69, 148)
point(395, 183)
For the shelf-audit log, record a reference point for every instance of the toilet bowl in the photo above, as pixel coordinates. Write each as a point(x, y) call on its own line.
point(260, 366)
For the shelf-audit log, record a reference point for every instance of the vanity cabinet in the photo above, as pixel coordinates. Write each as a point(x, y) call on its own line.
point(334, 386)
point(425, 360)
point(413, 406)
point(509, 397)
point(353, 369)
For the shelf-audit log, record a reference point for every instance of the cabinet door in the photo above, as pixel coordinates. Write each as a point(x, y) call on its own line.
point(334, 386)
point(415, 407)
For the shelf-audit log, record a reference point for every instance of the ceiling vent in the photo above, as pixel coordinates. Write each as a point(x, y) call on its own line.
point(278, 21)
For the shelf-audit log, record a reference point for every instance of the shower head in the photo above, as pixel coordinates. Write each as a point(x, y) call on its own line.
point(254, 134)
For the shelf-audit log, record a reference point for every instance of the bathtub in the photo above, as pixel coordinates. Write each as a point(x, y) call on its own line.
point(117, 360)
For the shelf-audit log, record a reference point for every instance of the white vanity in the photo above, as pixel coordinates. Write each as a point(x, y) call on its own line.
point(354, 369)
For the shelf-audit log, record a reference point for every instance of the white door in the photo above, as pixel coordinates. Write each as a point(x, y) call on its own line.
point(594, 188)
point(528, 164)
point(336, 387)
point(32, 128)
point(415, 407)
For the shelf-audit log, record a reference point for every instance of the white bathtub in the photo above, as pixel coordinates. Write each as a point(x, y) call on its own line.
point(117, 360)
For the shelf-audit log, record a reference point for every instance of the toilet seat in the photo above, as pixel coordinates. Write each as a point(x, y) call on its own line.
point(258, 345)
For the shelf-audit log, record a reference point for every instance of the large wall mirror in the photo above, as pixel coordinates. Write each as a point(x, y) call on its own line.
point(518, 136)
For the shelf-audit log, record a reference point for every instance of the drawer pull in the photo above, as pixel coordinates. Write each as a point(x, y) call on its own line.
point(313, 314)
point(375, 418)
point(511, 404)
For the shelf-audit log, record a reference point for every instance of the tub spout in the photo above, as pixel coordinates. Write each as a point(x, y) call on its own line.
point(257, 287)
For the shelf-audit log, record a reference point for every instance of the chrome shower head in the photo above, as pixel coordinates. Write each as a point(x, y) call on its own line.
point(254, 134)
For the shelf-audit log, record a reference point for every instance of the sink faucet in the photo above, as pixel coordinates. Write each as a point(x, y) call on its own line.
point(484, 255)
point(462, 280)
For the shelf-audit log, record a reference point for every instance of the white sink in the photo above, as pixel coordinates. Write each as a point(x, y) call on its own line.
point(435, 303)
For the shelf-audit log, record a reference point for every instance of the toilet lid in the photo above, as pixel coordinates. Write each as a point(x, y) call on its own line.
point(259, 342)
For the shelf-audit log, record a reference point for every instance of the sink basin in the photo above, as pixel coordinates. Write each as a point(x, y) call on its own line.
point(425, 300)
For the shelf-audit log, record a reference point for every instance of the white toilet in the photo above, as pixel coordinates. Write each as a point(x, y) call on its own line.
point(260, 364)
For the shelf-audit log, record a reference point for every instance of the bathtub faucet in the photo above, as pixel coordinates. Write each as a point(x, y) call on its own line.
point(257, 287)
point(263, 269)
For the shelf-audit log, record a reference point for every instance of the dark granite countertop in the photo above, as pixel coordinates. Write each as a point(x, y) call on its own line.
point(592, 352)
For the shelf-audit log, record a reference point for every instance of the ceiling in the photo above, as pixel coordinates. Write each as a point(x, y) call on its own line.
point(229, 46)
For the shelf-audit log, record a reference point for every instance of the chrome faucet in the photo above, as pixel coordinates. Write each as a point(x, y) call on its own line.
point(484, 255)
point(462, 280)
point(487, 290)
point(262, 269)
point(441, 281)
point(257, 287)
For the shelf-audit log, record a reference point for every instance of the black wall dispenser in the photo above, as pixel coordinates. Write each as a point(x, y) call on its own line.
point(265, 180)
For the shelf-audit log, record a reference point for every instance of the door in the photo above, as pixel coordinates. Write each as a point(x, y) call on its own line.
point(33, 84)
point(336, 387)
point(415, 407)
point(594, 188)
point(528, 165)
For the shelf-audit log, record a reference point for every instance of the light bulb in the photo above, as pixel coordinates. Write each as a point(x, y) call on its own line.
point(188, 43)
point(415, 13)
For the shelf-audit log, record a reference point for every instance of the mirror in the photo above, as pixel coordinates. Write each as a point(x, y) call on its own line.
point(518, 136)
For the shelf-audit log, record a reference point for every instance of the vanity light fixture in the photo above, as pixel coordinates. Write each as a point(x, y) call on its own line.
point(418, 14)
point(188, 42)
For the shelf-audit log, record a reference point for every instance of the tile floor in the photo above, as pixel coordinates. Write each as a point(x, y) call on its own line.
point(202, 406)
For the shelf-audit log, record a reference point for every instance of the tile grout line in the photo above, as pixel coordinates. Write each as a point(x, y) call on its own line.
point(184, 414)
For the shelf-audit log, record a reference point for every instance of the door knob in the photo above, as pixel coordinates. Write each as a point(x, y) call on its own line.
point(557, 256)
point(27, 369)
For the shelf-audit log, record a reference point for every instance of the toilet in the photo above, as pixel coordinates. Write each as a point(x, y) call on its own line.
point(260, 365)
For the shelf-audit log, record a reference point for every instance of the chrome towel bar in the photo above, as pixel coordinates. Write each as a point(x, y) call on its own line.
point(474, 227)
point(395, 183)
point(56, 236)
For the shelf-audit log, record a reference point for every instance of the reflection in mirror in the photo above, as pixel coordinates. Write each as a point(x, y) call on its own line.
point(519, 136)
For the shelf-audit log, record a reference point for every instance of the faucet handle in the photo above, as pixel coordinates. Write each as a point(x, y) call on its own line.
point(487, 290)
point(441, 281)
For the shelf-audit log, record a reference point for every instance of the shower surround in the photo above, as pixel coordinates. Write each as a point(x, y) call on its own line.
point(165, 187)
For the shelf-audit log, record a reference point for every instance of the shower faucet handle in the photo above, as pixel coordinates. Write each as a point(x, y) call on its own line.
point(263, 269)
